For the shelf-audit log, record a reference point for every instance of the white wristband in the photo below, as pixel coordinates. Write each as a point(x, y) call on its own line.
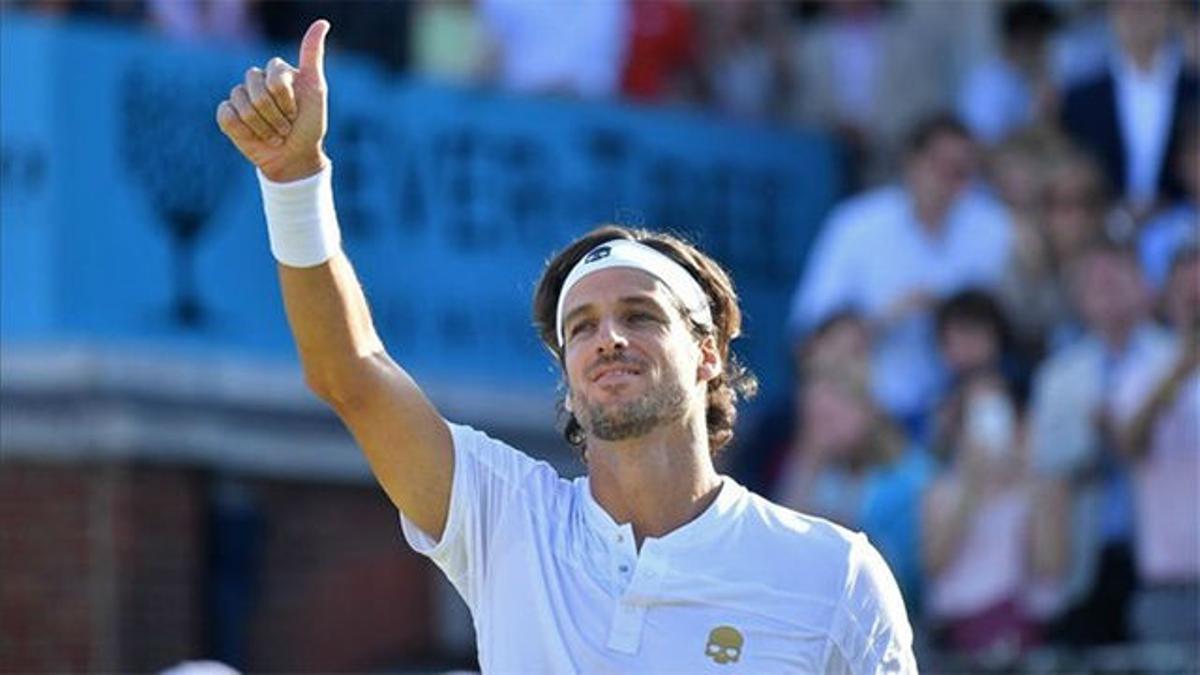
point(301, 222)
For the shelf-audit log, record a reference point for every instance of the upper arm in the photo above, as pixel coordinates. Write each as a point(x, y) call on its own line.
point(405, 440)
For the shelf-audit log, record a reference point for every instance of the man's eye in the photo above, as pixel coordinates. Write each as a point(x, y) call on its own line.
point(578, 328)
point(642, 317)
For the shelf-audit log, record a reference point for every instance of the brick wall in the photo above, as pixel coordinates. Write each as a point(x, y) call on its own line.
point(46, 564)
point(342, 592)
point(105, 567)
point(100, 565)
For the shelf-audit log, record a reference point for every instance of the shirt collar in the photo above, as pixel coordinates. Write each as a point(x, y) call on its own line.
point(1162, 73)
point(728, 504)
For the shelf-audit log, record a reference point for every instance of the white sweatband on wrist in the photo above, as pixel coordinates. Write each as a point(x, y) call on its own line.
point(635, 255)
point(301, 222)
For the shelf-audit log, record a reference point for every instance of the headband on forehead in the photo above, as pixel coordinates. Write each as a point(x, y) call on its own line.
point(634, 255)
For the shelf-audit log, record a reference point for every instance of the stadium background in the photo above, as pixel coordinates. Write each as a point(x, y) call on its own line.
point(169, 490)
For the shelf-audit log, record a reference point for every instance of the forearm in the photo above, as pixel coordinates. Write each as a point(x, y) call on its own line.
point(1135, 437)
point(1049, 528)
point(330, 322)
point(945, 527)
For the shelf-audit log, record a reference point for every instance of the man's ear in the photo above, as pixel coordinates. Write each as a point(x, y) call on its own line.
point(711, 364)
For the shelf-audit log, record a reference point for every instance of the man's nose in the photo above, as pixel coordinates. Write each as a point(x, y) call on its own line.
point(611, 336)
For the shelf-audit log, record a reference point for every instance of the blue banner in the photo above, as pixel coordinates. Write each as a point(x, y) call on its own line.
point(126, 217)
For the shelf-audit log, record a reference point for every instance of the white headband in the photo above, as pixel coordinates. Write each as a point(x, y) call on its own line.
point(634, 255)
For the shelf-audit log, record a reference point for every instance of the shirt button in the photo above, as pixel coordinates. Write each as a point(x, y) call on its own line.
point(624, 569)
point(620, 538)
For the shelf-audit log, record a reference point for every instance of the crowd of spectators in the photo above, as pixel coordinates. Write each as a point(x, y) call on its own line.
point(996, 368)
point(995, 338)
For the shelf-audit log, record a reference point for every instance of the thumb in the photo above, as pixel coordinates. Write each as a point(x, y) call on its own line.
point(312, 49)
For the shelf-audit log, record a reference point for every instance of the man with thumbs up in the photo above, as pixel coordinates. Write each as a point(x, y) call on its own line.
point(653, 562)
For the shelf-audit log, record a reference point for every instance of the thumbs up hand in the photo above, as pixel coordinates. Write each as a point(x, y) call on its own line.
point(277, 117)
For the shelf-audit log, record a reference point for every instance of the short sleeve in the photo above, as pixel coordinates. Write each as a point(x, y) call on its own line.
point(870, 631)
point(488, 477)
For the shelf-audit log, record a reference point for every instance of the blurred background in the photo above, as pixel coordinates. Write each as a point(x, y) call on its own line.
point(964, 234)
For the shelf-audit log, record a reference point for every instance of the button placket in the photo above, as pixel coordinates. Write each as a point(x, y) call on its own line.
point(630, 616)
point(622, 558)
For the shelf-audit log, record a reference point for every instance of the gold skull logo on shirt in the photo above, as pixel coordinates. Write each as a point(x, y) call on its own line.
point(724, 645)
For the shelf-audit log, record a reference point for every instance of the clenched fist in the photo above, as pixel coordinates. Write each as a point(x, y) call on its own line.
point(277, 117)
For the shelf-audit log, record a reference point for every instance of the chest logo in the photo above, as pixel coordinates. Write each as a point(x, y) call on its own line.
point(724, 645)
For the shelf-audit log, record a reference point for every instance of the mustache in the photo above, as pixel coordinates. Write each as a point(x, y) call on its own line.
point(616, 359)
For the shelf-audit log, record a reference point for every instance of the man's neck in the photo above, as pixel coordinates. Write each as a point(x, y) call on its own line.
point(1144, 60)
point(931, 217)
point(657, 483)
point(1116, 337)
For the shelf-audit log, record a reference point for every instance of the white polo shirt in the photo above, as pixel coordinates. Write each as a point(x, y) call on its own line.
point(556, 586)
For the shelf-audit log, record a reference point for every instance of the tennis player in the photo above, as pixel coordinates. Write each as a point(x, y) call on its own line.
point(653, 563)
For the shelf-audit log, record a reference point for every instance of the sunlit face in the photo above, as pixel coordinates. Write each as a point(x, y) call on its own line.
point(969, 345)
point(631, 362)
point(1109, 290)
point(1074, 211)
point(939, 172)
point(1140, 25)
point(838, 420)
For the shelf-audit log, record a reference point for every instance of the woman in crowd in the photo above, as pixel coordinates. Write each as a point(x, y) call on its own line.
point(1069, 212)
point(847, 462)
point(1160, 412)
point(982, 549)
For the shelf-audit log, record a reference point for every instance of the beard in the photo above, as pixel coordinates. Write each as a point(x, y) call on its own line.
point(665, 402)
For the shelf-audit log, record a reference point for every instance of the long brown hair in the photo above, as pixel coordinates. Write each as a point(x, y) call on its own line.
point(724, 390)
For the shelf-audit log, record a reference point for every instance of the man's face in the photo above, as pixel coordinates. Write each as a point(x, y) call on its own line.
point(1074, 211)
point(939, 172)
point(1109, 290)
point(838, 419)
point(1140, 25)
point(631, 362)
point(969, 345)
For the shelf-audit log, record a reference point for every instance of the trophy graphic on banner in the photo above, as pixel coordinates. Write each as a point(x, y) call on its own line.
point(173, 149)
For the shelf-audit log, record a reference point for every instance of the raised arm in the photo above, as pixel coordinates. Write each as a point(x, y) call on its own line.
point(277, 119)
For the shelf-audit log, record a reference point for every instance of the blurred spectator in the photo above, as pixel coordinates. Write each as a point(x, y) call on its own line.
point(566, 48)
point(1069, 213)
point(448, 40)
point(662, 61)
point(205, 20)
point(1015, 170)
point(1015, 88)
point(1179, 226)
point(1159, 408)
point(379, 30)
point(849, 464)
point(988, 531)
point(841, 343)
point(1082, 46)
point(744, 58)
point(863, 71)
point(973, 336)
point(128, 11)
point(891, 252)
point(1074, 439)
point(1128, 114)
point(1190, 29)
